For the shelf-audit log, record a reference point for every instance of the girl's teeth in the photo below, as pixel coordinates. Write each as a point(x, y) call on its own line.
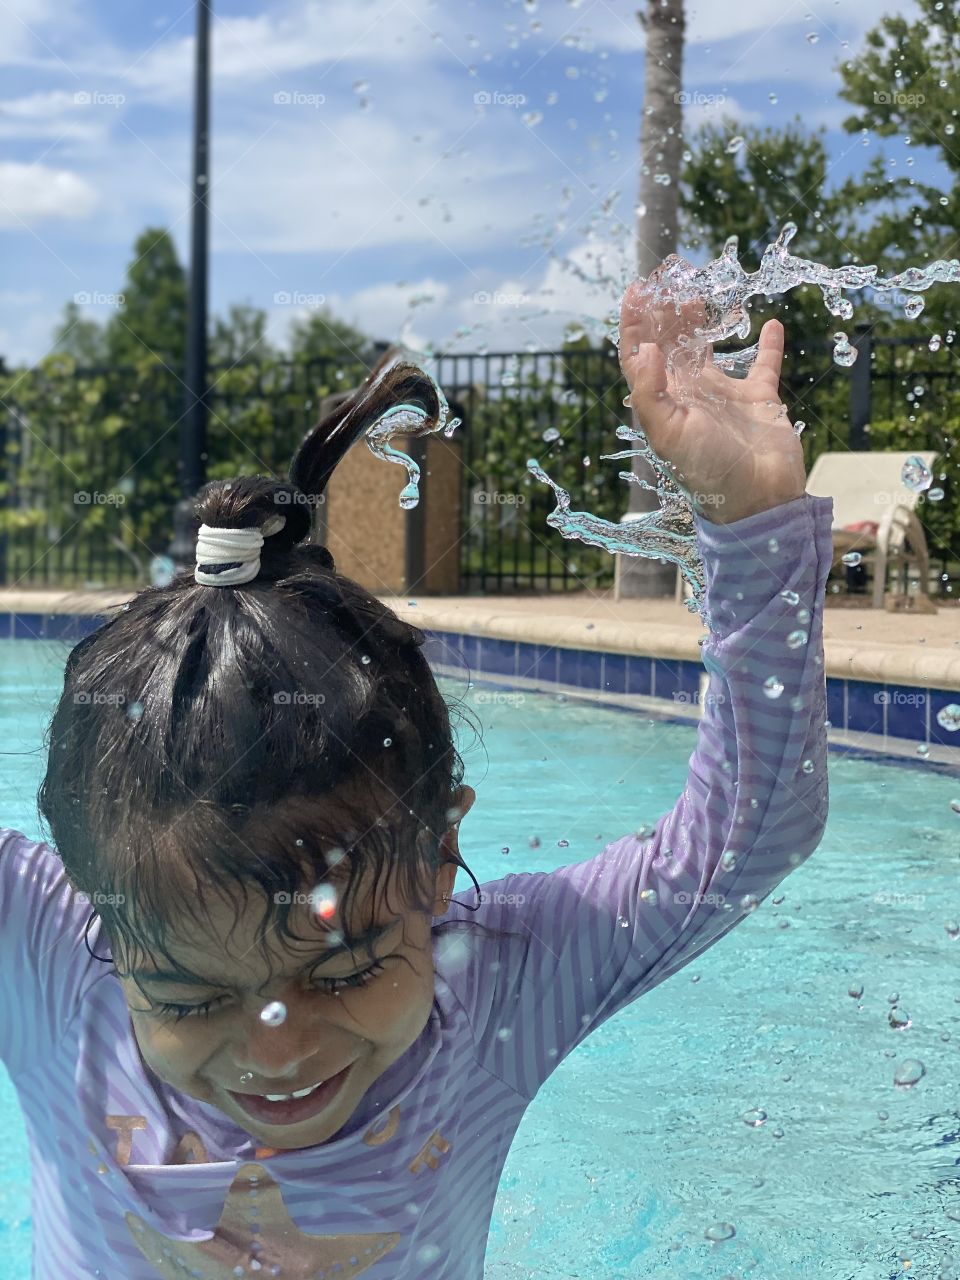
point(285, 1097)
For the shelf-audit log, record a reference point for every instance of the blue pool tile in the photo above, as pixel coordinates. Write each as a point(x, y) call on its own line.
point(639, 675)
point(6, 626)
point(579, 667)
point(615, 673)
point(864, 707)
point(906, 712)
point(672, 676)
point(28, 626)
point(568, 666)
point(470, 650)
point(940, 698)
point(538, 662)
point(66, 626)
point(498, 657)
point(836, 703)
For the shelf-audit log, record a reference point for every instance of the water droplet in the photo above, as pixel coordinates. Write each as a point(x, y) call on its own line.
point(135, 711)
point(791, 597)
point(532, 119)
point(913, 306)
point(274, 1014)
point(852, 558)
point(720, 1231)
point(948, 717)
point(505, 849)
point(856, 990)
point(729, 860)
point(952, 928)
point(649, 897)
point(935, 495)
point(923, 749)
point(808, 766)
point(797, 639)
point(898, 1018)
point(365, 659)
point(323, 901)
point(749, 902)
point(388, 742)
point(843, 353)
point(534, 842)
point(908, 1073)
point(955, 806)
point(162, 571)
point(754, 1117)
point(563, 844)
point(798, 426)
point(772, 687)
point(773, 97)
point(550, 435)
point(735, 144)
point(812, 37)
point(774, 545)
point(935, 342)
point(915, 474)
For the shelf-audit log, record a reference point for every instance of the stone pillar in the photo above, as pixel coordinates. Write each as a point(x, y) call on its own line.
point(374, 541)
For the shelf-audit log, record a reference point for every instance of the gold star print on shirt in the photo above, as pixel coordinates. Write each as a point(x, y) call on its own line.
point(256, 1232)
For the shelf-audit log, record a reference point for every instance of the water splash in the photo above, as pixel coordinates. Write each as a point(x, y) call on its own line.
point(723, 288)
point(409, 420)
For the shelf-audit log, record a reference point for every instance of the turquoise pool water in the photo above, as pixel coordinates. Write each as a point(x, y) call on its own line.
point(636, 1144)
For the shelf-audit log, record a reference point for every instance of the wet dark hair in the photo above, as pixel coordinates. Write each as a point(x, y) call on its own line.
point(202, 729)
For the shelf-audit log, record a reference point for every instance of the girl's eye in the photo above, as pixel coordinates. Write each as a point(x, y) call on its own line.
point(332, 986)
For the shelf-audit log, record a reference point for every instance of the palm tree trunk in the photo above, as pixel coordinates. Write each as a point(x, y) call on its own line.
point(661, 145)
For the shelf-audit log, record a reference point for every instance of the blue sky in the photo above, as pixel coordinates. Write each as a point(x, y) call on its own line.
point(352, 162)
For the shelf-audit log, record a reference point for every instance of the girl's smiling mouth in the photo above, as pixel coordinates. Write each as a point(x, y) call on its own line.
point(292, 1109)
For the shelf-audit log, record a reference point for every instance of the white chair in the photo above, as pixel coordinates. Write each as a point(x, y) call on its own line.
point(867, 487)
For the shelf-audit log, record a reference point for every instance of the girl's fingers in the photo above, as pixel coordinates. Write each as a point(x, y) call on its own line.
point(769, 362)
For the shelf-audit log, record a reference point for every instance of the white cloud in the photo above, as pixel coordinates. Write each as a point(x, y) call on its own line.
point(30, 193)
point(709, 108)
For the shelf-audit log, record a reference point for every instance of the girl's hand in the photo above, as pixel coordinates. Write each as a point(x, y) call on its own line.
point(733, 446)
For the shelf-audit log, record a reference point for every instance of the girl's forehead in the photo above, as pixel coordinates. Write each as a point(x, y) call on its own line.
point(231, 929)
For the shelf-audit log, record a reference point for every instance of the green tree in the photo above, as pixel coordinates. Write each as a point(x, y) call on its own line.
point(151, 324)
point(906, 82)
point(240, 337)
point(80, 337)
point(321, 336)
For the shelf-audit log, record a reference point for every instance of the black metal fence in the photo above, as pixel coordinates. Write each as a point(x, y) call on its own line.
point(110, 432)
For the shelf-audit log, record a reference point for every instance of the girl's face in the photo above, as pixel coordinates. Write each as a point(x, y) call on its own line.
point(359, 1012)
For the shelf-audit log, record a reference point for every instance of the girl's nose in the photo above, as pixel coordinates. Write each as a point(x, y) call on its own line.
point(282, 1052)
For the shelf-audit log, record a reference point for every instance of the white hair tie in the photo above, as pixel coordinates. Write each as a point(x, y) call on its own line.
point(237, 551)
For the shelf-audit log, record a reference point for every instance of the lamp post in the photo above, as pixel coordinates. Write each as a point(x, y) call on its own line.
point(191, 467)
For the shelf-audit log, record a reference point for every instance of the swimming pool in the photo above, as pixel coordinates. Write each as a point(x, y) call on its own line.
point(637, 1144)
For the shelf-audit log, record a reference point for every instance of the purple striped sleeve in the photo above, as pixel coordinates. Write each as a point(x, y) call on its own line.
point(598, 934)
point(44, 965)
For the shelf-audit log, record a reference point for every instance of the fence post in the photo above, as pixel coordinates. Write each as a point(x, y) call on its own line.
point(860, 385)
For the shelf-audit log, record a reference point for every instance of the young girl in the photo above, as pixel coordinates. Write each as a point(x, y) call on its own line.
point(251, 1031)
